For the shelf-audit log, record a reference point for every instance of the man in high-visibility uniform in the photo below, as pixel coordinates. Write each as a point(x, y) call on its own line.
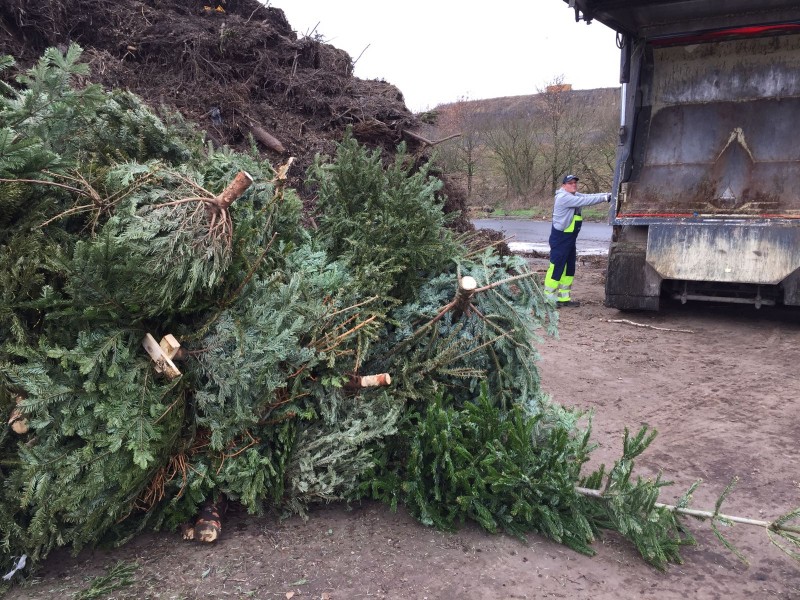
point(567, 221)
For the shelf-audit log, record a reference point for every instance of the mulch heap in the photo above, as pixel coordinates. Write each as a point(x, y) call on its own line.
point(234, 67)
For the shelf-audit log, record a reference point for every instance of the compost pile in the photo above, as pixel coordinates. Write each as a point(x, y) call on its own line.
point(178, 327)
point(235, 67)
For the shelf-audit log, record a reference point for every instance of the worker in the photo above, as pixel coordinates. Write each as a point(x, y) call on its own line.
point(567, 221)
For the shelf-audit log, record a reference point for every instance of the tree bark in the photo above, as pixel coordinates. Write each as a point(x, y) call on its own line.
point(235, 189)
point(208, 525)
point(266, 138)
point(19, 424)
point(466, 289)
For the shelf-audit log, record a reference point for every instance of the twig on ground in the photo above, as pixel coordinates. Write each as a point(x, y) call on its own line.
point(627, 322)
point(702, 514)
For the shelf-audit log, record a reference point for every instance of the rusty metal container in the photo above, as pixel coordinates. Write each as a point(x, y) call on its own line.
point(707, 180)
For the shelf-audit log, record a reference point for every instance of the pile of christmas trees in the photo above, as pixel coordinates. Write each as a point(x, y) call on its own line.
point(172, 333)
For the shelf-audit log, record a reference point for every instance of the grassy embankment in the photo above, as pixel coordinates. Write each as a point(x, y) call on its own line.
point(596, 213)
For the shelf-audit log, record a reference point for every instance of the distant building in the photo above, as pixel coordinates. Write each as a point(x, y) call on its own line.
point(563, 87)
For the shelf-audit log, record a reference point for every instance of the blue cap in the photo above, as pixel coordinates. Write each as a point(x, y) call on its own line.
point(568, 178)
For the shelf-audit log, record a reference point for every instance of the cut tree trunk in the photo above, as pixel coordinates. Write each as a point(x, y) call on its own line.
point(466, 289)
point(365, 381)
point(266, 138)
point(19, 424)
point(208, 526)
point(236, 188)
point(163, 362)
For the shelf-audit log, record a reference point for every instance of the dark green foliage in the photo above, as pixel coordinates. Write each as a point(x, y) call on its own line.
point(629, 507)
point(97, 412)
point(385, 223)
point(497, 467)
point(109, 436)
point(494, 343)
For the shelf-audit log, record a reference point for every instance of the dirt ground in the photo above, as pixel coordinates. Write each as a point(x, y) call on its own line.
point(719, 384)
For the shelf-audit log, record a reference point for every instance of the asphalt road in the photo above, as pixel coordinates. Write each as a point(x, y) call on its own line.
point(525, 235)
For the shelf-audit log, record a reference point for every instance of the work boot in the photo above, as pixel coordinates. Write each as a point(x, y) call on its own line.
point(568, 303)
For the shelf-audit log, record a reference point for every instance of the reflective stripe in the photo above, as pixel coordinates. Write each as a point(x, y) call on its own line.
point(565, 287)
point(571, 227)
point(550, 283)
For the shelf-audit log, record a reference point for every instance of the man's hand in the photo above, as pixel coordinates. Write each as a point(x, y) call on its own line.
point(608, 197)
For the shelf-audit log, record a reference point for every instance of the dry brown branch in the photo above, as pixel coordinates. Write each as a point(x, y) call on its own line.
point(347, 333)
point(168, 410)
point(43, 182)
point(181, 201)
point(504, 281)
point(484, 248)
point(224, 457)
point(627, 322)
point(154, 493)
point(200, 189)
point(266, 138)
point(360, 304)
point(99, 204)
point(425, 140)
point(91, 194)
point(73, 210)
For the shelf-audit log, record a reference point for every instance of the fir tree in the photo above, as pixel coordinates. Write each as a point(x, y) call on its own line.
point(386, 224)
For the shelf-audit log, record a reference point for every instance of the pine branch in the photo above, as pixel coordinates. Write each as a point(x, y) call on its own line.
point(117, 577)
point(45, 182)
point(776, 527)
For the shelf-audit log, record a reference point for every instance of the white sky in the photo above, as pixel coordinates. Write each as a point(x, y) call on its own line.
point(438, 51)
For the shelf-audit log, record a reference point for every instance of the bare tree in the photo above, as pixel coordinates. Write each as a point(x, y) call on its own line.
point(515, 150)
point(597, 169)
point(568, 124)
point(522, 146)
point(461, 154)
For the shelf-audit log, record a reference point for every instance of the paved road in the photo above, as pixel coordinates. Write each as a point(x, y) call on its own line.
point(526, 235)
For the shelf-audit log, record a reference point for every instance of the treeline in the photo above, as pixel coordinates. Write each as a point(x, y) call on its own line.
point(513, 151)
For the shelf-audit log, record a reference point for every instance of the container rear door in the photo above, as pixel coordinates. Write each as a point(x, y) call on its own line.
point(718, 133)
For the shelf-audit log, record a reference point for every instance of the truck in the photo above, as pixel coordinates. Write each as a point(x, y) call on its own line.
point(706, 186)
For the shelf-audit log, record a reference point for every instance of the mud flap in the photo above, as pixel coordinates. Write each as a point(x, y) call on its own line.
point(791, 289)
point(631, 283)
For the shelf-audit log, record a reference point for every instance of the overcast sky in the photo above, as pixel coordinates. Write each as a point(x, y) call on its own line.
point(438, 51)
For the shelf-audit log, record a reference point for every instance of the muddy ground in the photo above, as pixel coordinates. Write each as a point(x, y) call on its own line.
point(720, 385)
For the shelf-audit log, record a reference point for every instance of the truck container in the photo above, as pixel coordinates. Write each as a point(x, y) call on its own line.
point(707, 178)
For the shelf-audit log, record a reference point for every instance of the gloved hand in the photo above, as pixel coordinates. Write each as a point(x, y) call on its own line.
point(608, 197)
